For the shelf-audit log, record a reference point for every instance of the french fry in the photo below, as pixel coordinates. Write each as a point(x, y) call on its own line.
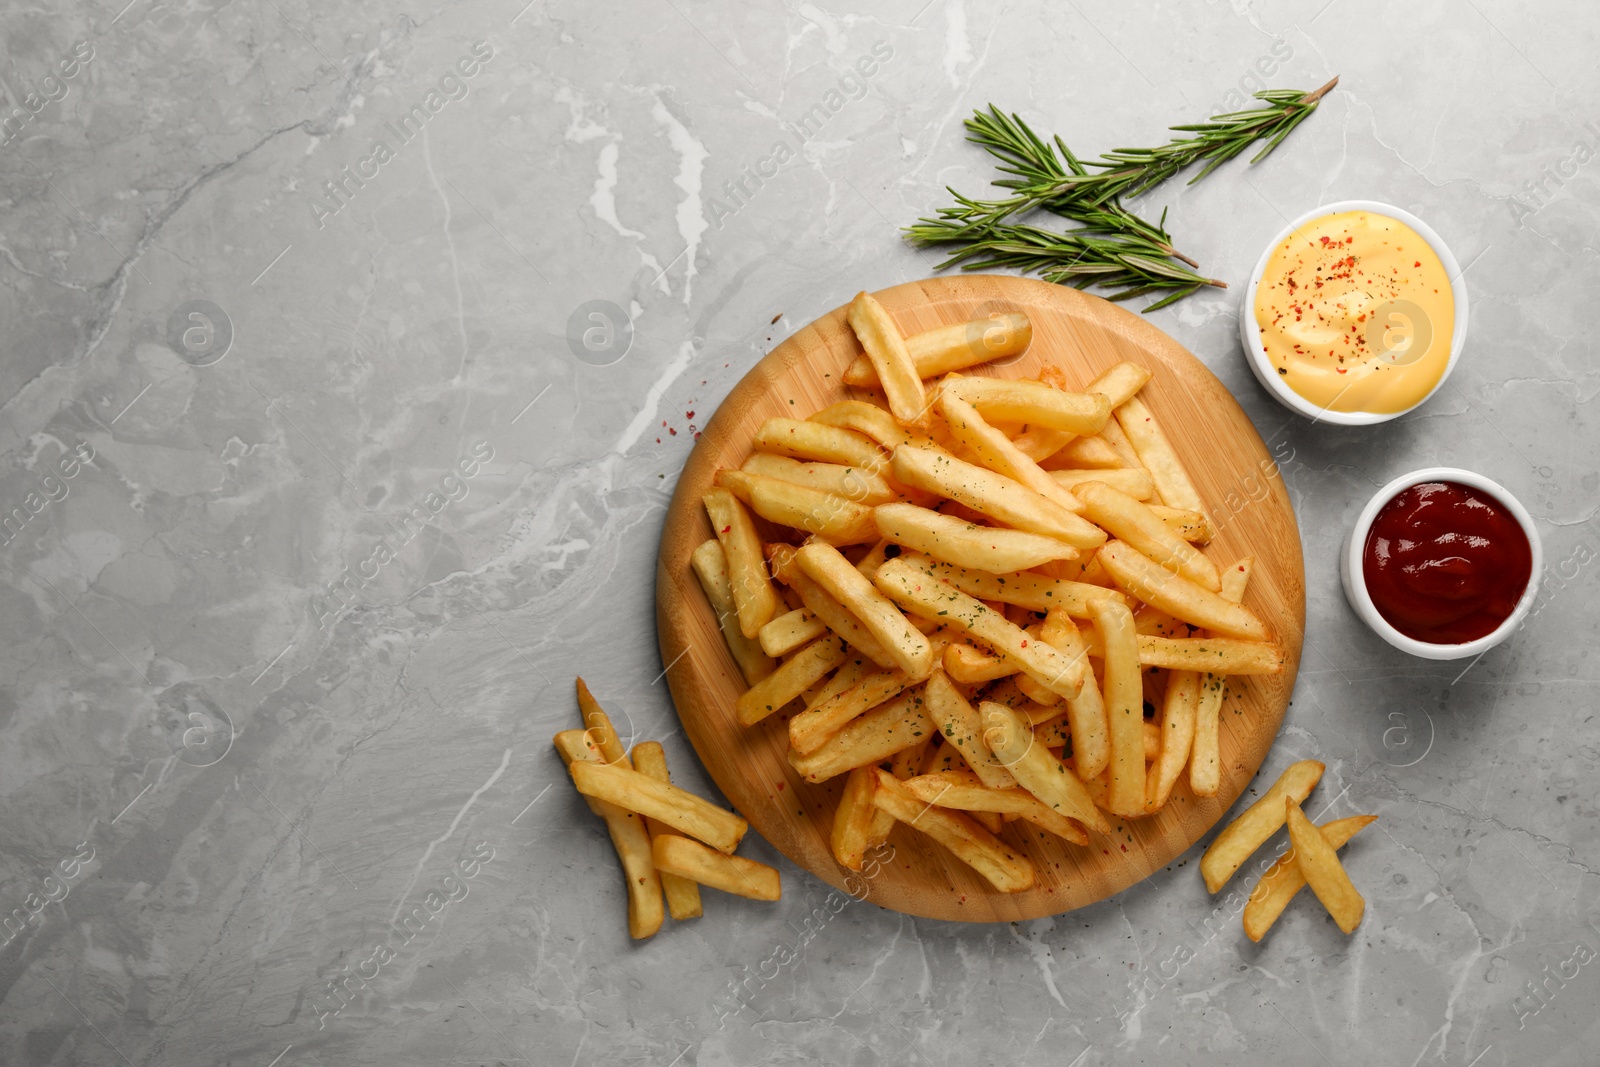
point(1035, 769)
point(805, 669)
point(953, 540)
point(958, 721)
point(1007, 870)
point(629, 837)
point(1220, 655)
point(1176, 737)
point(1033, 403)
point(1025, 589)
point(1113, 435)
point(753, 595)
point(1284, 879)
point(827, 517)
point(1176, 595)
point(1124, 702)
point(856, 484)
point(821, 603)
point(947, 348)
point(970, 665)
point(1261, 820)
point(916, 592)
point(1152, 741)
point(851, 671)
point(1319, 863)
point(1192, 526)
point(870, 738)
point(1003, 499)
point(1156, 455)
point(964, 791)
point(1086, 712)
point(852, 819)
point(1205, 765)
point(683, 896)
point(903, 642)
point(886, 350)
point(789, 631)
point(1116, 385)
point(1134, 481)
point(995, 451)
point(1080, 453)
point(710, 565)
point(870, 420)
point(1132, 522)
point(665, 803)
point(597, 726)
point(804, 439)
point(731, 874)
point(812, 727)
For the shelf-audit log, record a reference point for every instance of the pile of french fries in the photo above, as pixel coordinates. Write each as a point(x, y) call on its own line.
point(1311, 859)
point(981, 601)
point(669, 841)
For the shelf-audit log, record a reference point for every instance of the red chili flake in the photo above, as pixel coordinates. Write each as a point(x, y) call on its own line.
point(1123, 847)
point(725, 529)
point(663, 422)
point(688, 414)
point(1024, 644)
point(658, 440)
point(781, 785)
point(697, 435)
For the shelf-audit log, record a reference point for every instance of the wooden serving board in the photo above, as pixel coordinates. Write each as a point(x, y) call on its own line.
point(1225, 457)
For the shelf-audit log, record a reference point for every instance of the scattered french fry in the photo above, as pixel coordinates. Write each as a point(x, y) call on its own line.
point(1319, 864)
point(661, 801)
point(597, 725)
point(683, 896)
point(1006, 869)
point(630, 838)
point(971, 665)
point(1192, 526)
point(886, 350)
point(1248, 832)
point(1284, 879)
point(753, 594)
point(731, 874)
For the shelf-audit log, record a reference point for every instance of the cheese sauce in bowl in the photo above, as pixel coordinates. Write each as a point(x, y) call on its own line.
point(1355, 314)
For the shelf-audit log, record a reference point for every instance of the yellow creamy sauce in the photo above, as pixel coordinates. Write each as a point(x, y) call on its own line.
point(1356, 313)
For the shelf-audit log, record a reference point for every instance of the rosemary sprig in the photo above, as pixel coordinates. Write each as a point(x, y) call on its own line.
point(1112, 246)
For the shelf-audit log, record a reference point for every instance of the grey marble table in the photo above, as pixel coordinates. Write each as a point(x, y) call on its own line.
point(298, 295)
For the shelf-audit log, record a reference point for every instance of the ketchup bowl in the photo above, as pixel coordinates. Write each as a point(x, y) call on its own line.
point(1449, 570)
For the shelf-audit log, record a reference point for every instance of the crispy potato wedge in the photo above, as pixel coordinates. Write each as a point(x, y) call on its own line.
point(1006, 869)
point(1248, 832)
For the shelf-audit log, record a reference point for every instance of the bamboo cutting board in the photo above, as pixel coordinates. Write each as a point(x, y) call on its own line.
point(1230, 466)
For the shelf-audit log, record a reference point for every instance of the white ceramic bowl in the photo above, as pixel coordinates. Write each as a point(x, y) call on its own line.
point(1355, 586)
point(1250, 331)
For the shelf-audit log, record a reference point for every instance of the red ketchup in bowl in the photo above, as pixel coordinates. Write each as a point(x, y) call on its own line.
point(1445, 563)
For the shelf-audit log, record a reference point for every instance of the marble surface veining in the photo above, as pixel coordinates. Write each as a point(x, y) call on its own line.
point(299, 296)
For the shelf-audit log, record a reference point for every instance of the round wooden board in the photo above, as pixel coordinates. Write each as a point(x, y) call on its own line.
point(1225, 457)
